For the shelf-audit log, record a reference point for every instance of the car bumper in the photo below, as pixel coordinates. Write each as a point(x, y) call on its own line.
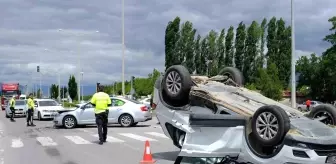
point(17, 113)
point(58, 121)
point(145, 116)
point(46, 115)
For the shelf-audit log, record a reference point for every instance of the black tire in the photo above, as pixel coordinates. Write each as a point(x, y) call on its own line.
point(135, 123)
point(182, 73)
point(7, 115)
point(67, 122)
point(235, 74)
point(282, 122)
point(300, 109)
point(326, 110)
point(128, 123)
point(39, 117)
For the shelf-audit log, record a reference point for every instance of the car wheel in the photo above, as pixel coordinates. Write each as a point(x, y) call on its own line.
point(270, 124)
point(300, 109)
point(177, 82)
point(234, 74)
point(325, 113)
point(39, 117)
point(69, 122)
point(126, 120)
point(7, 115)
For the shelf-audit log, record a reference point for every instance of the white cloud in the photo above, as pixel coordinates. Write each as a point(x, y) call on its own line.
point(27, 29)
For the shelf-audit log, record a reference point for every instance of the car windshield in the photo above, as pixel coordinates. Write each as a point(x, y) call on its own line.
point(20, 103)
point(48, 103)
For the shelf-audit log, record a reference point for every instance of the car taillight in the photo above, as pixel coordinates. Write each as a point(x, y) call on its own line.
point(143, 108)
point(153, 106)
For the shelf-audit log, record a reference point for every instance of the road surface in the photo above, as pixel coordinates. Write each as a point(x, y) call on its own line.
point(44, 144)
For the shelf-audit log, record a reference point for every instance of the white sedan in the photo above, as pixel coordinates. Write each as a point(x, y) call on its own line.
point(46, 108)
point(123, 111)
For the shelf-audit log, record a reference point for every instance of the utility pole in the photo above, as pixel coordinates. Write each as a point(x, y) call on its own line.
point(82, 73)
point(293, 87)
point(123, 48)
point(59, 87)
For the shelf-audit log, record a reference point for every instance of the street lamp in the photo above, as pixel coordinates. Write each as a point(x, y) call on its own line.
point(293, 88)
point(123, 48)
point(79, 72)
point(82, 73)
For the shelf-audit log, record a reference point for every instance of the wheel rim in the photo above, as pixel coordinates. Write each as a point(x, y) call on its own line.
point(267, 125)
point(229, 76)
point(328, 120)
point(126, 120)
point(69, 122)
point(181, 139)
point(173, 82)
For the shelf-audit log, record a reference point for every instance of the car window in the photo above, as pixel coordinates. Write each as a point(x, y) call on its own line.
point(313, 103)
point(20, 103)
point(48, 103)
point(147, 100)
point(89, 105)
point(117, 102)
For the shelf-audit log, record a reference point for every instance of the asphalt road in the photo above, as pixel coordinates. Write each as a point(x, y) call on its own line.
point(44, 144)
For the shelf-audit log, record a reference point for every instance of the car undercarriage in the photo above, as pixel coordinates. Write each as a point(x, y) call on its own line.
point(217, 117)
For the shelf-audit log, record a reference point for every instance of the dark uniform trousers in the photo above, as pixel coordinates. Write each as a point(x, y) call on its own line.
point(30, 116)
point(101, 121)
point(13, 112)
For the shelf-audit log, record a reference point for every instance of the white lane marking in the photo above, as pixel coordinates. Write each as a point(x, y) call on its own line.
point(84, 130)
point(17, 143)
point(136, 137)
point(77, 140)
point(46, 141)
point(157, 134)
point(110, 139)
point(2, 161)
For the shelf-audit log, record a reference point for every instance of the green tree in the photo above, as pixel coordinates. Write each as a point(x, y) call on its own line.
point(240, 45)
point(220, 50)
point(204, 55)
point(229, 48)
point(171, 39)
point(261, 59)
point(72, 87)
point(197, 51)
point(250, 68)
point(186, 45)
point(64, 91)
point(212, 51)
point(53, 91)
point(271, 41)
point(268, 82)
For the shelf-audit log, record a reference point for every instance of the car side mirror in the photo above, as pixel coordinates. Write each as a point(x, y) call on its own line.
point(82, 107)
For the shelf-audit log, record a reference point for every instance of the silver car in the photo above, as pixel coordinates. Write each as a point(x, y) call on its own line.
point(123, 111)
point(20, 108)
point(303, 107)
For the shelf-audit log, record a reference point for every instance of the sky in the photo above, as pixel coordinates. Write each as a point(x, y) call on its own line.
point(68, 36)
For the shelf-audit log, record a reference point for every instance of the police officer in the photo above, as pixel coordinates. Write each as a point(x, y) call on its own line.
point(12, 107)
point(31, 106)
point(101, 101)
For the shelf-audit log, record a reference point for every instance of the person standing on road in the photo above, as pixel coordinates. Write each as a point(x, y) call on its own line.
point(308, 104)
point(101, 101)
point(12, 107)
point(31, 106)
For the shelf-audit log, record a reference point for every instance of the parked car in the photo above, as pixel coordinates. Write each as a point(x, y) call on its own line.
point(218, 117)
point(303, 107)
point(123, 111)
point(146, 101)
point(46, 108)
point(20, 108)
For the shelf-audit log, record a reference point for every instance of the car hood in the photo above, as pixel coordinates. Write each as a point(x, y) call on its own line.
point(51, 108)
point(20, 106)
point(312, 131)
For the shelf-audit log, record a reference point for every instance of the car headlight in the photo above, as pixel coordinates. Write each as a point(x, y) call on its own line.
point(302, 145)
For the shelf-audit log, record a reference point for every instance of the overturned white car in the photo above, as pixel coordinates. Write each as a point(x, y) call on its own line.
point(217, 117)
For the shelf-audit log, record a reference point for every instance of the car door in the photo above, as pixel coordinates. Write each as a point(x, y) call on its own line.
point(36, 109)
point(115, 110)
point(86, 114)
